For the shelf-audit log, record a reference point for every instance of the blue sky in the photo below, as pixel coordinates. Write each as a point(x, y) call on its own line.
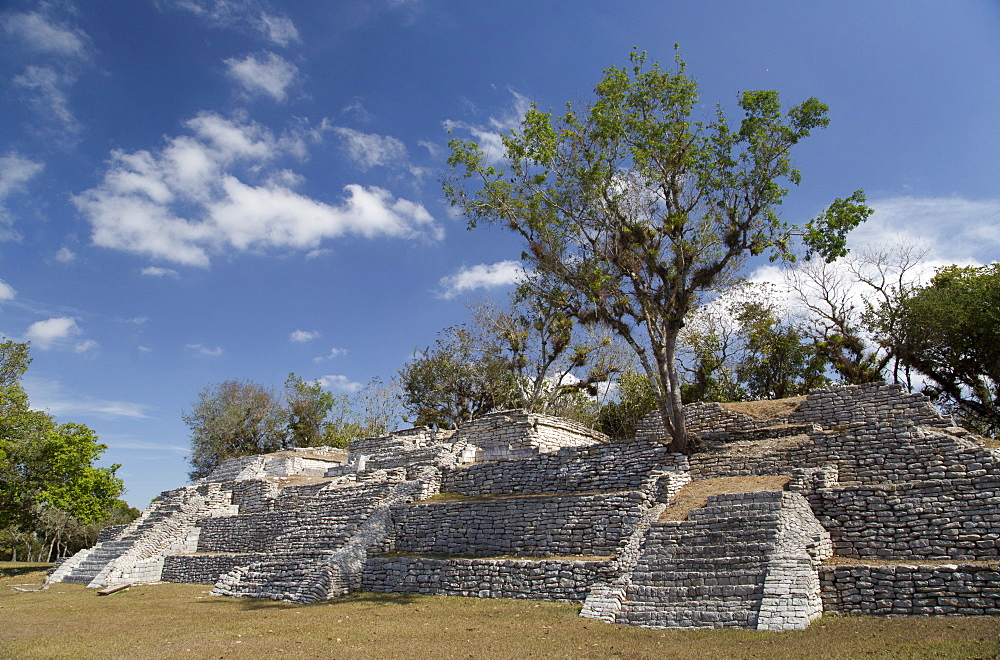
point(198, 190)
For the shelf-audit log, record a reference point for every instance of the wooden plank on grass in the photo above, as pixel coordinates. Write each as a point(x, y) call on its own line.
point(107, 591)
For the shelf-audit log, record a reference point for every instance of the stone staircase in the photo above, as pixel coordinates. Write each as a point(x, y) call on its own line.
point(96, 560)
point(744, 560)
point(169, 526)
point(327, 558)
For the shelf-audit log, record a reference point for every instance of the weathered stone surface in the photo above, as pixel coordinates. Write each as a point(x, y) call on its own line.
point(543, 508)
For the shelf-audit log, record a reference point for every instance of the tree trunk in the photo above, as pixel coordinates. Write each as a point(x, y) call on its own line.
point(675, 406)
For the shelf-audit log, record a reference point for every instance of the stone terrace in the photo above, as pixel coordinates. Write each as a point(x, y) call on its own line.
point(517, 505)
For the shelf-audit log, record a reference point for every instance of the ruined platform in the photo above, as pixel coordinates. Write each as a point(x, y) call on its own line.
point(517, 505)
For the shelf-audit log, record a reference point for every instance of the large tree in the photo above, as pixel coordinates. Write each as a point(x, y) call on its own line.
point(47, 470)
point(309, 407)
point(949, 331)
point(643, 210)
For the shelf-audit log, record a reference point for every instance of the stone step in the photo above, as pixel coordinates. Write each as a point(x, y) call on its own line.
point(721, 546)
point(697, 576)
point(690, 617)
point(80, 578)
point(670, 594)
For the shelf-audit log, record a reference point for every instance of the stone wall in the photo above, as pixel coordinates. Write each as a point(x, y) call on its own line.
point(963, 589)
point(512, 434)
point(110, 533)
point(606, 467)
point(829, 408)
point(305, 517)
point(544, 579)
point(957, 519)
point(900, 452)
point(200, 569)
point(547, 525)
point(851, 404)
point(745, 560)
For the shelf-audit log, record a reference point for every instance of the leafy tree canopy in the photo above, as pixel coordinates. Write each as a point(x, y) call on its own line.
point(232, 419)
point(45, 464)
point(949, 331)
point(641, 209)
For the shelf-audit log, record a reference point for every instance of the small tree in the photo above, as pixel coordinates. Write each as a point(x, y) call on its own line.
point(641, 210)
point(632, 400)
point(454, 381)
point(232, 419)
point(559, 366)
point(743, 345)
point(309, 406)
point(949, 331)
point(844, 300)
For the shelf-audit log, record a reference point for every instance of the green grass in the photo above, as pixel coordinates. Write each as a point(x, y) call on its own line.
point(183, 621)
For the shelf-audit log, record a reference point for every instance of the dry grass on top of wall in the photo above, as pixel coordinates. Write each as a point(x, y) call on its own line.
point(765, 409)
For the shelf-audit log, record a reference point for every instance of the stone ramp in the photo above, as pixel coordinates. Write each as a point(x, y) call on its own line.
point(745, 560)
point(309, 565)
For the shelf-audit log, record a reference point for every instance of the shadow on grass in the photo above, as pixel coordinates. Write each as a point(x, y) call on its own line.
point(14, 569)
point(249, 604)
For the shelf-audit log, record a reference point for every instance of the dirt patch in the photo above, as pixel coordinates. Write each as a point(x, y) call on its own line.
point(991, 443)
point(764, 447)
point(915, 561)
point(297, 480)
point(338, 457)
point(765, 409)
point(534, 558)
point(695, 495)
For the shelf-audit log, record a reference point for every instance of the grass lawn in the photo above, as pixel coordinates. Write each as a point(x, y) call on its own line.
point(183, 621)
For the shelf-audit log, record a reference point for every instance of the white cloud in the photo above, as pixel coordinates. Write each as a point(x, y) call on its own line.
point(357, 109)
point(48, 92)
point(240, 15)
point(269, 74)
point(156, 271)
point(186, 201)
point(57, 52)
point(85, 346)
point(481, 276)
point(15, 171)
point(49, 395)
point(339, 384)
point(935, 232)
point(279, 30)
point(7, 292)
point(122, 441)
point(488, 135)
point(334, 353)
point(957, 230)
point(204, 350)
point(369, 150)
point(303, 335)
point(41, 34)
point(51, 332)
point(65, 255)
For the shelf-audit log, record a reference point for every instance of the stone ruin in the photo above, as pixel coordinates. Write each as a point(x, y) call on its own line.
point(867, 501)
